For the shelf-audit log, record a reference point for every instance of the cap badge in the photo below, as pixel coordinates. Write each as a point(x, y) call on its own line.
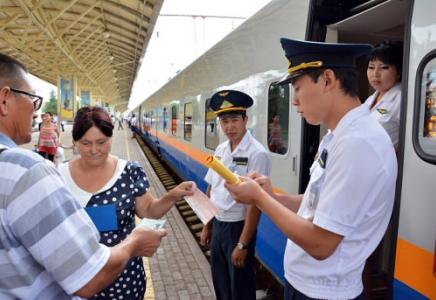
point(226, 104)
point(223, 94)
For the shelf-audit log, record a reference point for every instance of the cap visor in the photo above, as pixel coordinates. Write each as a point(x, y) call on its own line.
point(289, 76)
point(286, 79)
point(229, 112)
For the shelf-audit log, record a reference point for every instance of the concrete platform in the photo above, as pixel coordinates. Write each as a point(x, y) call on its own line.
point(178, 270)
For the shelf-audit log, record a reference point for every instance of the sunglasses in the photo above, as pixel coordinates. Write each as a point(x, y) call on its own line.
point(37, 100)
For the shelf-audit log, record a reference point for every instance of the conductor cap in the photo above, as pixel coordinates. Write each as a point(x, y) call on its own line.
point(230, 102)
point(304, 56)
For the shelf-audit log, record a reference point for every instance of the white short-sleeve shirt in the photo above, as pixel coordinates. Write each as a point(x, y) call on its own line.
point(352, 196)
point(248, 155)
point(387, 111)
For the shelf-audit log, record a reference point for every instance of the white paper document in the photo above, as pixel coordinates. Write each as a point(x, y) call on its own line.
point(203, 207)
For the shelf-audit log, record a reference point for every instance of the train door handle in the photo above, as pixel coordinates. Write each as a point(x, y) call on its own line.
point(294, 165)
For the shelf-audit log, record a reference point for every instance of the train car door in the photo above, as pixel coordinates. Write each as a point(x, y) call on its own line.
point(414, 269)
point(370, 22)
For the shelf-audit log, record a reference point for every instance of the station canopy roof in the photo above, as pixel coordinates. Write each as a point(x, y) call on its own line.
point(101, 43)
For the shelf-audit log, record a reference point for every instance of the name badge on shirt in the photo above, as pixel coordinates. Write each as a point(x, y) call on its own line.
point(104, 216)
point(240, 161)
point(322, 160)
point(313, 200)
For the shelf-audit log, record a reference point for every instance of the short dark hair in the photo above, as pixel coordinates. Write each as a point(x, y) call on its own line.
point(90, 116)
point(11, 71)
point(346, 76)
point(388, 52)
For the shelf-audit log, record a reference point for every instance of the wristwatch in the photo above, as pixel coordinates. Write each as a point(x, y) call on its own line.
point(242, 246)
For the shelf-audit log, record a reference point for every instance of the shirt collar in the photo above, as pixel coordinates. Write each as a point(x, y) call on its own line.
point(390, 95)
point(6, 141)
point(243, 144)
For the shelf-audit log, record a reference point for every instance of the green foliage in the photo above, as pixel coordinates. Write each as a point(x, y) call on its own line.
point(52, 104)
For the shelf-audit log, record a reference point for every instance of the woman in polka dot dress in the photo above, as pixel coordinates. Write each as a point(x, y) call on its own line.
point(100, 180)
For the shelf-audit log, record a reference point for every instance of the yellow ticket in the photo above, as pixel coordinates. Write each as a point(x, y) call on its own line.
point(216, 165)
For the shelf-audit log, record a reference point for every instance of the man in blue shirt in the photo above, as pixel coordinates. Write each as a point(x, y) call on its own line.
point(49, 246)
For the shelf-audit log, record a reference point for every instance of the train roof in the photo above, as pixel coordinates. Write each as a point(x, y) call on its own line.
point(254, 47)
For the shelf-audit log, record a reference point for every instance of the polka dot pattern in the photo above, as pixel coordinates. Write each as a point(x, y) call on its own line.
point(133, 182)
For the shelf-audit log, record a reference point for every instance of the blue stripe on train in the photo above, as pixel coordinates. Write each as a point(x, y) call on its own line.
point(270, 246)
point(404, 292)
point(271, 242)
point(190, 168)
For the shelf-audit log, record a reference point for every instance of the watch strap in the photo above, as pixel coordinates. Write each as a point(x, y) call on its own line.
point(242, 246)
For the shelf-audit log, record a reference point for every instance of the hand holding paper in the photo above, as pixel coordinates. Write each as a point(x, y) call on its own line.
point(221, 169)
point(203, 207)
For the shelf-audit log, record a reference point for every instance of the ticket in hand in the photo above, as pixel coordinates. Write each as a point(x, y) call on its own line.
point(155, 224)
point(216, 165)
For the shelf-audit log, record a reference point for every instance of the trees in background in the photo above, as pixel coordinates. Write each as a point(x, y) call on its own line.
point(52, 104)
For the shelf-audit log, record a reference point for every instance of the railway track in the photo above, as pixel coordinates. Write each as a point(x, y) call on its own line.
point(272, 289)
point(169, 179)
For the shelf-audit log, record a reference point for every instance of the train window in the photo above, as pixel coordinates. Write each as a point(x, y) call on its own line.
point(139, 120)
point(210, 127)
point(147, 120)
point(188, 122)
point(174, 120)
point(165, 119)
point(425, 125)
point(278, 118)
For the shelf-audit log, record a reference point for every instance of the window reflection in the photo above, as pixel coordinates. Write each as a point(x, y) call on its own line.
point(427, 116)
point(210, 128)
point(165, 119)
point(188, 122)
point(174, 120)
point(278, 118)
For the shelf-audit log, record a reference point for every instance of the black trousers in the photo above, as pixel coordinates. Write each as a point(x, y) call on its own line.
point(230, 282)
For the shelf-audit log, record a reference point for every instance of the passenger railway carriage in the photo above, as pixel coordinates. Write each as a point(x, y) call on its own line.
point(178, 122)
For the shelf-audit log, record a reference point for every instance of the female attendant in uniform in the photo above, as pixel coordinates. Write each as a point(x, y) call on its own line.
point(49, 138)
point(113, 191)
point(385, 66)
point(384, 71)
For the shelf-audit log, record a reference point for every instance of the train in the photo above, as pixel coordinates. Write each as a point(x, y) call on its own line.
point(178, 123)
